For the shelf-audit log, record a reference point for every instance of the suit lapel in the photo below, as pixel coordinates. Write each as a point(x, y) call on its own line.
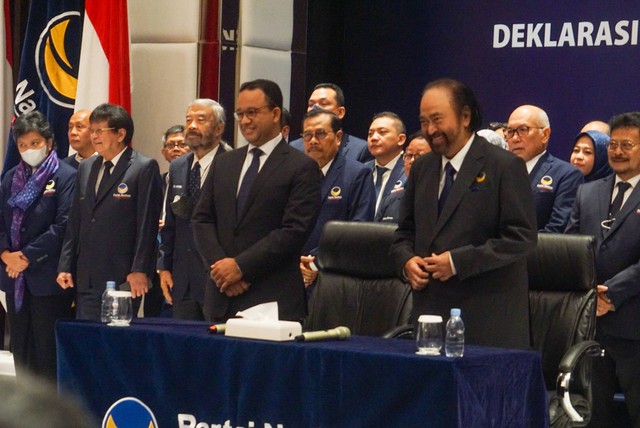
point(471, 167)
point(540, 170)
point(395, 175)
point(629, 206)
point(184, 173)
point(93, 179)
point(332, 176)
point(431, 176)
point(118, 171)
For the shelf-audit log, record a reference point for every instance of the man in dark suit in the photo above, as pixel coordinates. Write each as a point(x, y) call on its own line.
point(182, 275)
point(347, 190)
point(256, 211)
point(467, 223)
point(554, 182)
point(609, 209)
point(386, 139)
point(329, 96)
point(79, 138)
point(113, 222)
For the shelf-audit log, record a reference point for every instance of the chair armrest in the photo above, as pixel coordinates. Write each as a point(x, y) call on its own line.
point(400, 332)
point(576, 352)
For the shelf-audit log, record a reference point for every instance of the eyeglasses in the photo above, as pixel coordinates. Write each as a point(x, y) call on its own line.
point(98, 132)
point(249, 113)
point(410, 157)
point(625, 145)
point(172, 145)
point(522, 131)
point(320, 135)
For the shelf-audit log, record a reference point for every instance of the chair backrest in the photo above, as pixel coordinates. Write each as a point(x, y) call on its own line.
point(357, 283)
point(562, 297)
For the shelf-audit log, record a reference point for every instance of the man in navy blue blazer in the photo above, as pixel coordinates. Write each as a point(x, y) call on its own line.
point(329, 96)
point(609, 209)
point(386, 139)
point(183, 276)
point(113, 221)
point(79, 138)
point(347, 190)
point(554, 182)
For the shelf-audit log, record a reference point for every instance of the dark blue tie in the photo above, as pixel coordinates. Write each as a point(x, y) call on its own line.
point(194, 183)
point(449, 172)
point(104, 182)
point(617, 202)
point(248, 179)
point(380, 170)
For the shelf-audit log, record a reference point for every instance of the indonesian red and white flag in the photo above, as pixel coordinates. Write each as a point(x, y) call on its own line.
point(104, 71)
point(6, 79)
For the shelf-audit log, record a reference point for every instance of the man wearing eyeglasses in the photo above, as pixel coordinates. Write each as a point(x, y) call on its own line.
point(113, 220)
point(173, 145)
point(79, 138)
point(554, 182)
point(347, 189)
point(183, 277)
point(329, 96)
point(609, 209)
point(257, 208)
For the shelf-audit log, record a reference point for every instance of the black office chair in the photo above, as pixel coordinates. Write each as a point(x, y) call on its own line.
point(562, 302)
point(357, 285)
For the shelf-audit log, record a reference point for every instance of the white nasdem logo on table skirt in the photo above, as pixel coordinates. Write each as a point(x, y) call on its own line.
point(129, 412)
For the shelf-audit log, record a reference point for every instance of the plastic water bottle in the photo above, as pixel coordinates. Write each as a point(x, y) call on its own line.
point(454, 340)
point(107, 301)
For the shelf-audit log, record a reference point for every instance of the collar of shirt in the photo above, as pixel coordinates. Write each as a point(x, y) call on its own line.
point(79, 158)
point(531, 163)
point(205, 163)
point(325, 169)
point(458, 159)
point(116, 158)
point(633, 181)
point(391, 164)
point(267, 148)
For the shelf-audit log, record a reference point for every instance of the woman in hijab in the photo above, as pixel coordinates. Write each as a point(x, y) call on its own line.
point(590, 155)
point(35, 197)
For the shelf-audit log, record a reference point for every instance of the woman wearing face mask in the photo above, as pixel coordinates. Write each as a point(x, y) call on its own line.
point(35, 197)
point(589, 155)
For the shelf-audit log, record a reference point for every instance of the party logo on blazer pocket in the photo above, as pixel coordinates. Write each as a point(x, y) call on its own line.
point(335, 194)
point(397, 187)
point(546, 183)
point(49, 188)
point(479, 183)
point(122, 191)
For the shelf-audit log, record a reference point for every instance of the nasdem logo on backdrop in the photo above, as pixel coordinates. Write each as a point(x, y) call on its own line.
point(581, 34)
point(129, 412)
point(58, 73)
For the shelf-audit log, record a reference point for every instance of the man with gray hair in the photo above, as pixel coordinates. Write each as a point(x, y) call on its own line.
point(554, 182)
point(182, 273)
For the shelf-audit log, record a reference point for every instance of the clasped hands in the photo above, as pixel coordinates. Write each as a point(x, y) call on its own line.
point(227, 276)
point(16, 262)
point(419, 270)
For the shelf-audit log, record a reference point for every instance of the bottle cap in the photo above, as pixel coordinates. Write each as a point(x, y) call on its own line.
point(430, 318)
point(455, 312)
point(111, 284)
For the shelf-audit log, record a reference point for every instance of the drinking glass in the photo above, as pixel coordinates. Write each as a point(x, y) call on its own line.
point(429, 335)
point(121, 309)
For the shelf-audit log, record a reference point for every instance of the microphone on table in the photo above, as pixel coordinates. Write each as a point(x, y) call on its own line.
point(340, 333)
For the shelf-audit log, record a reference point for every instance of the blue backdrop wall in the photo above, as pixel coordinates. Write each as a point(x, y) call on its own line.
point(576, 60)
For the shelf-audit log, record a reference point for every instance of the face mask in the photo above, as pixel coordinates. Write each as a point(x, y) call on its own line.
point(34, 157)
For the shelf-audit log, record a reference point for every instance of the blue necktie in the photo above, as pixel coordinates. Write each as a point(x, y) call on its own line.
point(194, 183)
point(449, 172)
point(617, 202)
point(247, 180)
point(380, 170)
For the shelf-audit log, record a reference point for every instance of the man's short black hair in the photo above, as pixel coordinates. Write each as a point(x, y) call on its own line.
point(271, 90)
point(336, 123)
point(625, 120)
point(461, 96)
point(337, 89)
point(175, 129)
point(116, 116)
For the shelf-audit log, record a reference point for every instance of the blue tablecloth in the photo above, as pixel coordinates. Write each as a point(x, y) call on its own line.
point(186, 376)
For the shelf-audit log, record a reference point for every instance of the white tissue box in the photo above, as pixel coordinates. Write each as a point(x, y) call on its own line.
point(278, 331)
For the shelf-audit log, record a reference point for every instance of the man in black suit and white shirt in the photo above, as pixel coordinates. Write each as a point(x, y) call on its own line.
point(467, 223)
point(256, 211)
point(183, 276)
point(113, 221)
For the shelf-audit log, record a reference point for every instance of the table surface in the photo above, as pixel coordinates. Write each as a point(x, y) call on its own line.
point(178, 368)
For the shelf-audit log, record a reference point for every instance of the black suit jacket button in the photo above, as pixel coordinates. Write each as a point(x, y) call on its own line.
point(93, 220)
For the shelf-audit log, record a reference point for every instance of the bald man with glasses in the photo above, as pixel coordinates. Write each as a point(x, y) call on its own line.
point(554, 182)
